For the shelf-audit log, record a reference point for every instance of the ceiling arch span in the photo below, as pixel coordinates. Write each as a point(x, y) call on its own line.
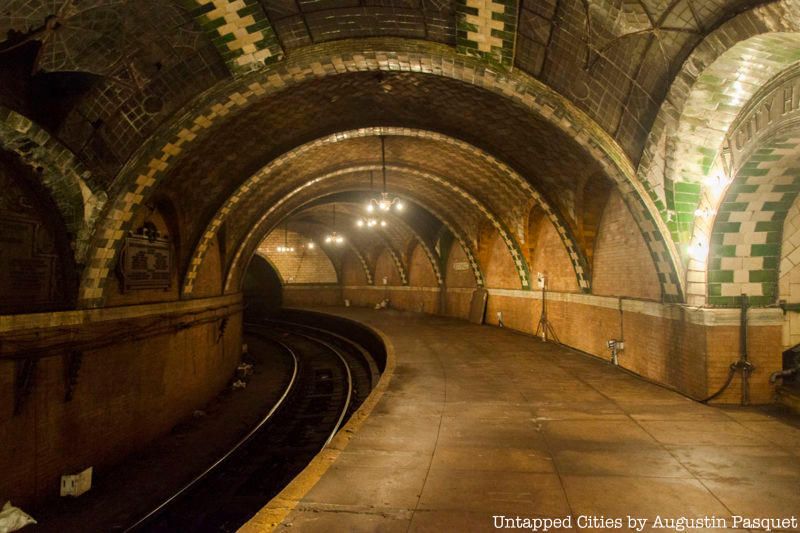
point(406, 62)
point(66, 180)
point(499, 184)
point(412, 235)
point(350, 213)
point(454, 212)
point(714, 83)
point(306, 264)
point(271, 218)
point(317, 230)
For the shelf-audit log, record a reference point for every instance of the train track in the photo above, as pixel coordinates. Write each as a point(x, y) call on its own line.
point(331, 377)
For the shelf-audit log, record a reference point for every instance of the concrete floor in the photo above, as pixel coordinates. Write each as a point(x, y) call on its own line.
point(479, 421)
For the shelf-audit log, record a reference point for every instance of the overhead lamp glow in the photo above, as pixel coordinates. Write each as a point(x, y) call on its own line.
point(333, 237)
point(371, 222)
point(285, 248)
point(384, 202)
point(717, 182)
point(704, 212)
point(310, 245)
point(698, 250)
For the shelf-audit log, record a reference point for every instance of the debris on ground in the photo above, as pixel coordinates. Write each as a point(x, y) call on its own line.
point(13, 518)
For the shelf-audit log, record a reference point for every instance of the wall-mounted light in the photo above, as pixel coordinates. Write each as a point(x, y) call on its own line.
point(717, 182)
point(704, 212)
point(698, 250)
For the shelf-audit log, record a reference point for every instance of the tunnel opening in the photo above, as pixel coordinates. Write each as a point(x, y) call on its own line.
point(263, 290)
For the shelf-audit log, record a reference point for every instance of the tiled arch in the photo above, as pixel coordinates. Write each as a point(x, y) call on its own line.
point(575, 252)
point(745, 247)
point(704, 100)
point(273, 215)
point(62, 175)
point(148, 167)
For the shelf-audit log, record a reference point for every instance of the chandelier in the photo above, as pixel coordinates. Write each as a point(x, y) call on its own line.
point(384, 202)
point(333, 237)
point(285, 248)
point(370, 221)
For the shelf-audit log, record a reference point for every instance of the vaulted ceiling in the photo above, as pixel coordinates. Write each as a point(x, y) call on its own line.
point(246, 112)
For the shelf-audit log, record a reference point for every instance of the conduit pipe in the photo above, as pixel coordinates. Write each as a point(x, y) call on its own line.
point(742, 363)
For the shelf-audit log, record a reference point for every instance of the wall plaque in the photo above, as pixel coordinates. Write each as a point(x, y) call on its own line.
point(27, 273)
point(146, 262)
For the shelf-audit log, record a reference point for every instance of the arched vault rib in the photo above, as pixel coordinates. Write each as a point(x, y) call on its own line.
point(712, 87)
point(62, 175)
point(335, 178)
point(317, 231)
point(280, 211)
point(148, 167)
point(574, 250)
point(348, 213)
point(286, 203)
point(396, 221)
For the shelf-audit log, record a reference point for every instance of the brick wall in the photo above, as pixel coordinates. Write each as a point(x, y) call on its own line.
point(622, 262)
point(352, 270)
point(312, 295)
point(385, 268)
point(420, 271)
point(127, 394)
point(550, 257)
point(306, 264)
point(496, 261)
point(209, 278)
point(460, 282)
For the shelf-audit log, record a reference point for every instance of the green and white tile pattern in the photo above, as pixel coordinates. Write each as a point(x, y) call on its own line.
point(487, 29)
point(745, 248)
point(240, 30)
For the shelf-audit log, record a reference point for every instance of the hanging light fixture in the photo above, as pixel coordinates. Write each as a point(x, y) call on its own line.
point(333, 237)
point(384, 202)
point(370, 221)
point(285, 248)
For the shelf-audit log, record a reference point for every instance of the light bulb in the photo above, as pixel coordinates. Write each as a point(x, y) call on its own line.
point(370, 208)
point(399, 206)
point(384, 205)
point(310, 246)
point(383, 223)
point(328, 238)
point(339, 239)
point(360, 223)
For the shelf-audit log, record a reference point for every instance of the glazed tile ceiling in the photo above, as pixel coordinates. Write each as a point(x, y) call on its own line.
point(147, 64)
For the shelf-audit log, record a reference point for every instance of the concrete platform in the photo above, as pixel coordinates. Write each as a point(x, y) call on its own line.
point(479, 421)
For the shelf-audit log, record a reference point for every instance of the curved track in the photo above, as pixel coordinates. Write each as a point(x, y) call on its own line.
point(331, 377)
